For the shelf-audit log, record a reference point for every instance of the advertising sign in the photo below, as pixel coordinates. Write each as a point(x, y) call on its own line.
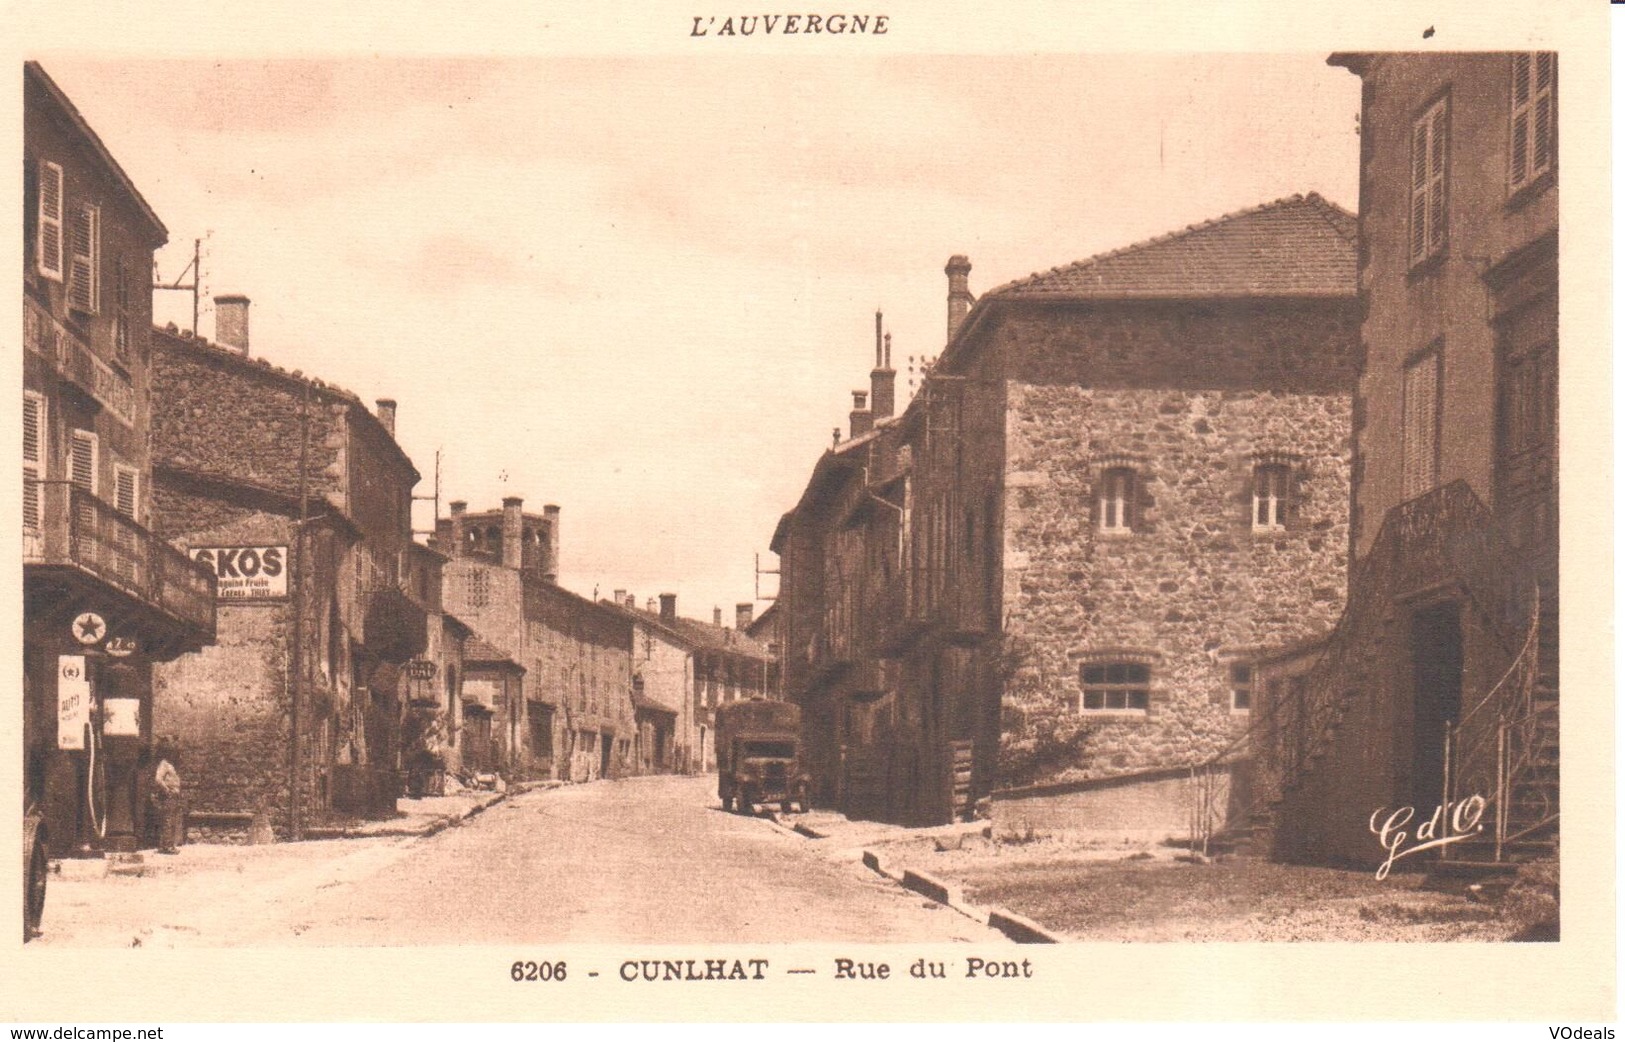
point(72, 701)
point(246, 573)
point(121, 716)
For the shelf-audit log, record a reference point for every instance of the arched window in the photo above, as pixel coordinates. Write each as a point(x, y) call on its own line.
point(1115, 500)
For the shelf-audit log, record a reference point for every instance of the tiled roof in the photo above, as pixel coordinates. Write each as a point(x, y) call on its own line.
point(478, 650)
point(701, 636)
point(1298, 246)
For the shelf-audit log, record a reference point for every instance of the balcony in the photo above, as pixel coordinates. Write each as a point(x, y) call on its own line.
point(85, 547)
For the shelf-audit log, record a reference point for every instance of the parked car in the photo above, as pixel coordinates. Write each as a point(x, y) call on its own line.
point(36, 872)
point(759, 756)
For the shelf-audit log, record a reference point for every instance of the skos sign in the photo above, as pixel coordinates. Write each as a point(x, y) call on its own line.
point(246, 573)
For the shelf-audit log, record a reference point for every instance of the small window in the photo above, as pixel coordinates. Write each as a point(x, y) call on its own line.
point(479, 589)
point(1116, 505)
point(1241, 687)
point(1272, 496)
point(82, 458)
point(1430, 149)
point(1534, 116)
point(84, 274)
point(122, 321)
point(48, 244)
point(126, 490)
point(1115, 687)
point(1420, 425)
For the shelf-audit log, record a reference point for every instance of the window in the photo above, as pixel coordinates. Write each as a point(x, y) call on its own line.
point(1117, 500)
point(1420, 433)
point(33, 456)
point(1534, 116)
point(84, 274)
point(82, 454)
point(48, 244)
point(479, 590)
point(1241, 687)
point(1272, 495)
point(126, 489)
point(121, 315)
point(1430, 145)
point(1115, 687)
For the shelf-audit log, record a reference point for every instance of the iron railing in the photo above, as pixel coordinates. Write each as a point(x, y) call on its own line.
point(78, 530)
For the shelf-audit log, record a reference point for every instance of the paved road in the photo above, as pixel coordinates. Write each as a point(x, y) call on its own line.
point(645, 860)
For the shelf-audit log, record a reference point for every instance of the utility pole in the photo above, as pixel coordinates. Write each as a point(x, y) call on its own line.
point(296, 689)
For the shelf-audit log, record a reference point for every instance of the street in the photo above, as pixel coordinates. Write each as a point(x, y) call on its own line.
point(645, 860)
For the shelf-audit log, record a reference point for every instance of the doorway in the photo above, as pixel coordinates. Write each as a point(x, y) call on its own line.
point(1436, 662)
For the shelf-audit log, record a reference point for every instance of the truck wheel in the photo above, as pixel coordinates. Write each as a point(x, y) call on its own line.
point(746, 801)
point(802, 800)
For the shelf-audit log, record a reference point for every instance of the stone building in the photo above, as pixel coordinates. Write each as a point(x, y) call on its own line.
point(575, 720)
point(682, 669)
point(300, 499)
point(1447, 652)
point(1046, 580)
point(104, 599)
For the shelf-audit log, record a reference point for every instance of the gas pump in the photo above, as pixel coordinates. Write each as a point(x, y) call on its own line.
point(100, 712)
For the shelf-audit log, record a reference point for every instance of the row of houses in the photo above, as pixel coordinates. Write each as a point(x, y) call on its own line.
point(1257, 517)
point(220, 553)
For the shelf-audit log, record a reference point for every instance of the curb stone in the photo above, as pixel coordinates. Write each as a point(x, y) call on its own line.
point(1018, 928)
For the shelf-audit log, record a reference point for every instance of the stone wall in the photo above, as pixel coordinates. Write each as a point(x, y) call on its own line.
point(1193, 586)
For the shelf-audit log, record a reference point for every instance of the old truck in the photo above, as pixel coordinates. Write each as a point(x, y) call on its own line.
point(759, 756)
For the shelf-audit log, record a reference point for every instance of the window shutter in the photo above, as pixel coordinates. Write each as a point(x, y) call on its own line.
point(1420, 426)
point(127, 485)
point(33, 456)
point(1545, 81)
point(84, 240)
point(1419, 185)
point(82, 461)
point(50, 221)
point(1440, 133)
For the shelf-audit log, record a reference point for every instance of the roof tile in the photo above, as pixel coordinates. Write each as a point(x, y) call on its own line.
point(1302, 245)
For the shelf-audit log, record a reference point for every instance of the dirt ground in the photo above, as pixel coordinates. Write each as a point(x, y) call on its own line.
point(1116, 890)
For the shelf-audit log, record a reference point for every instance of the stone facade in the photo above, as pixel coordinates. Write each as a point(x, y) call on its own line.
point(226, 440)
point(1193, 586)
point(575, 719)
point(1454, 480)
point(1054, 568)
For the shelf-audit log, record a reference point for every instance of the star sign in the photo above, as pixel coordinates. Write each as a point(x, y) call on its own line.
point(89, 628)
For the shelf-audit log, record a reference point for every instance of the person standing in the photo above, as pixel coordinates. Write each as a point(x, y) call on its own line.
point(166, 798)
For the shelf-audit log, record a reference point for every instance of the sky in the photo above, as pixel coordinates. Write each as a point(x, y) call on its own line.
point(643, 288)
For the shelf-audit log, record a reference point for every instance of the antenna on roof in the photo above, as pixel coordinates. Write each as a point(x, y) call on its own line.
point(194, 287)
point(760, 571)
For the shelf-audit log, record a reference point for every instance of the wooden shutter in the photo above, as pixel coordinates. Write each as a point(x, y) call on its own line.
point(1421, 426)
point(1533, 78)
point(84, 240)
point(126, 490)
point(33, 456)
point(49, 244)
point(82, 461)
point(1430, 143)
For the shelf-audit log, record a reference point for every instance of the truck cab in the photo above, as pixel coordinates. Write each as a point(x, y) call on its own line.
point(759, 756)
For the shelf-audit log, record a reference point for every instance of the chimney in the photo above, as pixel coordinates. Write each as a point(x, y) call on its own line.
point(454, 527)
point(631, 600)
point(550, 571)
point(863, 421)
point(716, 616)
point(835, 435)
point(959, 298)
point(231, 321)
point(386, 414)
point(513, 532)
point(620, 598)
point(883, 379)
point(668, 607)
point(744, 611)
